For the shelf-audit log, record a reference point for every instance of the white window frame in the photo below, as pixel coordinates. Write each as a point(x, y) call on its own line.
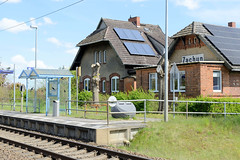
point(104, 56)
point(116, 88)
point(100, 57)
point(104, 86)
point(95, 57)
point(156, 82)
point(189, 41)
point(178, 82)
point(87, 80)
point(220, 81)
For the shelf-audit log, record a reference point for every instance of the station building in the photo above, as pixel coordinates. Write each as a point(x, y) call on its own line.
point(118, 46)
point(208, 59)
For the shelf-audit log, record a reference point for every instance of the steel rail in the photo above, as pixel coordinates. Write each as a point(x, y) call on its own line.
point(37, 150)
point(109, 152)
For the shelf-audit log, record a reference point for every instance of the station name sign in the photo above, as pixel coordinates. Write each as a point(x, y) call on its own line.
point(192, 58)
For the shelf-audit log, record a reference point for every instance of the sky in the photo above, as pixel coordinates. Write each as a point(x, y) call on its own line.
point(59, 33)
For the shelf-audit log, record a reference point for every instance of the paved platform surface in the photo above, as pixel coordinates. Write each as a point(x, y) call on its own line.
point(80, 122)
point(78, 128)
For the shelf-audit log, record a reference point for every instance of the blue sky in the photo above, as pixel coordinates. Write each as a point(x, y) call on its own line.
point(59, 33)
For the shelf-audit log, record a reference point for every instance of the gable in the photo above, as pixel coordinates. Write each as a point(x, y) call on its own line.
point(191, 51)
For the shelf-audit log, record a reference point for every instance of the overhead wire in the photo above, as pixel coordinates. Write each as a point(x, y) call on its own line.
point(42, 16)
point(3, 2)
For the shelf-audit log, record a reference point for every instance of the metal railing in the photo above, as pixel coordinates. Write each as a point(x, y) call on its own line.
point(145, 111)
point(5, 102)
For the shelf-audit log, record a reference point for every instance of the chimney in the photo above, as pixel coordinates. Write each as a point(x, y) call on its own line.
point(232, 24)
point(135, 20)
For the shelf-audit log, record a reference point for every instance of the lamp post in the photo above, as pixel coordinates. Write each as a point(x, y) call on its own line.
point(166, 65)
point(35, 81)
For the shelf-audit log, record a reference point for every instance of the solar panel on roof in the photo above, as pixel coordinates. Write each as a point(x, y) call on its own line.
point(229, 47)
point(223, 31)
point(139, 49)
point(129, 34)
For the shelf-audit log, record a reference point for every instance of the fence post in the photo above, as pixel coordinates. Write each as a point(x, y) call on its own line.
point(39, 106)
point(145, 111)
point(174, 107)
point(107, 114)
point(187, 110)
point(65, 107)
point(225, 110)
point(85, 108)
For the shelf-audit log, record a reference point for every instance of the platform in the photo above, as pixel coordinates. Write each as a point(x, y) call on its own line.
point(77, 128)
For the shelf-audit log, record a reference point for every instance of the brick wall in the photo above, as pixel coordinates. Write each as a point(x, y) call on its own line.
point(142, 77)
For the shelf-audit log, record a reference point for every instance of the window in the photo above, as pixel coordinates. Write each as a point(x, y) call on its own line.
point(178, 82)
point(104, 57)
point(217, 81)
point(96, 57)
point(115, 84)
point(195, 40)
point(87, 84)
point(153, 82)
point(189, 41)
point(100, 57)
point(103, 86)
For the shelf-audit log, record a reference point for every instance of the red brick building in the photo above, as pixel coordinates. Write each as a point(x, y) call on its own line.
point(208, 59)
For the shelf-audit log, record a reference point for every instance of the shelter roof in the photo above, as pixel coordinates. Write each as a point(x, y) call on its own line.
point(45, 73)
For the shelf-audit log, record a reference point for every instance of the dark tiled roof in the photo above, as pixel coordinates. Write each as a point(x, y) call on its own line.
point(107, 33)
point(193, 28)
point(223, 41)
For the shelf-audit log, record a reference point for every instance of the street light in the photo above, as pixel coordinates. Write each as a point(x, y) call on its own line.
point(35, 81)
point(166, 65)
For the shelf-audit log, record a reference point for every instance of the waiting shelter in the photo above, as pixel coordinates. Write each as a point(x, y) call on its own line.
point(52, 77)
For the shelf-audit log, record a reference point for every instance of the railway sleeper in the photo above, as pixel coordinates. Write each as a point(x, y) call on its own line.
point(78, 152)
point(99, 157)
point(86, 155)
point(68, 150)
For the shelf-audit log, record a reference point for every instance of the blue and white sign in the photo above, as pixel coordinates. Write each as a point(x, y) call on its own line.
point(193, 58)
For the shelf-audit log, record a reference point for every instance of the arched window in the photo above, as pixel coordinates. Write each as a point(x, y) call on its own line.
point(115, 84)
point(103, 86)
point(104, 56)
point(87, 84)
point(100, 57)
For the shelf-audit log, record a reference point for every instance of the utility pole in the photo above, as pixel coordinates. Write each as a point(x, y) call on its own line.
point(35, 80)
point(166, 66)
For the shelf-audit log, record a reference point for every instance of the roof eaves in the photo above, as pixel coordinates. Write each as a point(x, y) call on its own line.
point(85, 44)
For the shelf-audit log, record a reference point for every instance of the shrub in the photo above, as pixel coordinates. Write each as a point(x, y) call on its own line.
point(210, 107)
point(85, 96)
point(137, 94)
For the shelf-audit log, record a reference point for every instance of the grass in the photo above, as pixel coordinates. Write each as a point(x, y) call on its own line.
point(195, 138)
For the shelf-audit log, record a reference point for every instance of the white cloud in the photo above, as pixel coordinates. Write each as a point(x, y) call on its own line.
point(54, 41)
point(190, 4)
point(7, 23)
point(21, 61)
point(11, 1)
point(47, 20)
point(72, 51)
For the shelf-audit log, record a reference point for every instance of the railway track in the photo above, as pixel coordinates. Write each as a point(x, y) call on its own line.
point(40, 147)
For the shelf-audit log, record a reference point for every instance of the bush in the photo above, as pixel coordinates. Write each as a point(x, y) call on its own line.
point(209, 107)
point(85, 96)
point(137, 94)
